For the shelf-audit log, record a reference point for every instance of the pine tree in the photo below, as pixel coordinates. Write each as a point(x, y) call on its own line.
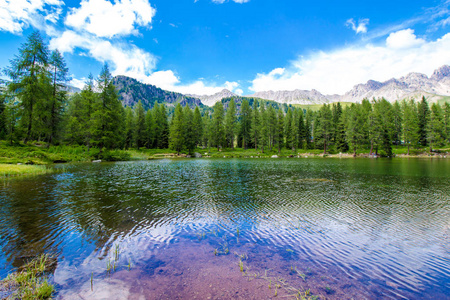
point(29, 81)
point(272, 123)
point(129, 127)
point(246, 122)
point(59, 73)
point(255, 124)
point(288, 129)
point(280, 130)
point(107, 113)
point(139, 125)
point(217, 128)
point(397, 119)
point(263, 130)
point(230, 123)
point(323, 129)
point(435, 127)
point(189, 129)
point(149, 129)
point(301, 129)
point(198, 127)
point(447, 122)
point(176, 136)
point(294, 130)
point(410, 128)
point(355, 126)
point(309, 127)
point(423, 115)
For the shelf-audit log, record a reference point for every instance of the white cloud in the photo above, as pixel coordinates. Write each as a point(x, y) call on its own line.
point(339, 70)
point(79, 83)
point(403, 39)
point(126, 60)
point(358, 27)
point(104, 19)
point(167, 80)
point(16, 15)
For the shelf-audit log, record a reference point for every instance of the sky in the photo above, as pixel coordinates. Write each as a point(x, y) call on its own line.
point(246, 46)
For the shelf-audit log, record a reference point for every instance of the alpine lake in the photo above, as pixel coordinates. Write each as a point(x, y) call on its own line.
point(299, 228)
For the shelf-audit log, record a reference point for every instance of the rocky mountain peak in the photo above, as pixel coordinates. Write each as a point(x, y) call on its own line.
point(441, 73)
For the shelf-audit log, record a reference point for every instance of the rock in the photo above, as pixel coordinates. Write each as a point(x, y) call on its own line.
point(97, 161)
point(197, 155)
point(188, 156)
point(274, 156)
point(19, 164)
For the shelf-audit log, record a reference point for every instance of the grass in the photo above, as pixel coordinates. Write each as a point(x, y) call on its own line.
point(7, 170)
point(30, 281)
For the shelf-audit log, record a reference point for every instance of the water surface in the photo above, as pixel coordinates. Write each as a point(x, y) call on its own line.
point(178, 229)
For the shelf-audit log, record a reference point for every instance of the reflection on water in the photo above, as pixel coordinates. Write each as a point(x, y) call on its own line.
point(178, 228)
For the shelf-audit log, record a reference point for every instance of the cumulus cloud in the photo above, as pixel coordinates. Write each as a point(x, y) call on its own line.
point(17, 15)
point(105, 19)
point(168, 80)
point(126, 60)
point(358, 27)
point(339, 70)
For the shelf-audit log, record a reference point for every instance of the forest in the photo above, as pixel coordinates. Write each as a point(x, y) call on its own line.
point(35, 107)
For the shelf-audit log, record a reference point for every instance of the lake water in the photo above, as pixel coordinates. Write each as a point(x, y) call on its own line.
point(236, 228)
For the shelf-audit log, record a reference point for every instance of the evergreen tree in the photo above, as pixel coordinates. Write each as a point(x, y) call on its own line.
point(58, 99)
point(189, 129)
point(397, 119)
point(230, 123)
point(355, 127)
point(150, 129)
point(263, 129)
point(309, 127)
point(107, 113)
point(294, 130)
point(288, 129)
point(255, 124)
point(139, 126)
point(280, 130)
point(301, 129)
point(272, 123)
point(29, 81)
point(176, 137)
point(323, 129)
point(198, 127)
point(435, 127)
point(246, 121)
point(129, 127)
point(161, 126)
point(423, 115)
point(217, 128)
point(447, 121)
point(410, 132)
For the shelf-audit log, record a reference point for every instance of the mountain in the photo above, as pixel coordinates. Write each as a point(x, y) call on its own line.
point(413, 85)
point(131, 91)
point(294, 97)
point(212, 99)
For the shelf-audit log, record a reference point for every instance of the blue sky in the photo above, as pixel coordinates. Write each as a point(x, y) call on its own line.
point(203, 46)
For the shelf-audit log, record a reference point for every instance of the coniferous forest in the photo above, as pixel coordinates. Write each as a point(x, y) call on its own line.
point(36, 107)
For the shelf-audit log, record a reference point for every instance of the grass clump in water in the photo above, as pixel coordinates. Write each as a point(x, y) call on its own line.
point(30, 281)
point(8, 170)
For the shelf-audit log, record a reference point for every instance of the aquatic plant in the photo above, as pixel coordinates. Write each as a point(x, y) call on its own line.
point(30, 281)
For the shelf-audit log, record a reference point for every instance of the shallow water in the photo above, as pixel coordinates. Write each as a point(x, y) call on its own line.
point(177, 229)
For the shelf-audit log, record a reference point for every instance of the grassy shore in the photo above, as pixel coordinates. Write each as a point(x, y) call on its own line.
point(39, 154)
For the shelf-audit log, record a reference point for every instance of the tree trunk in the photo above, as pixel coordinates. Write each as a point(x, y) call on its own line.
point(325, 147)
point(408, 149)
point(354, 151)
